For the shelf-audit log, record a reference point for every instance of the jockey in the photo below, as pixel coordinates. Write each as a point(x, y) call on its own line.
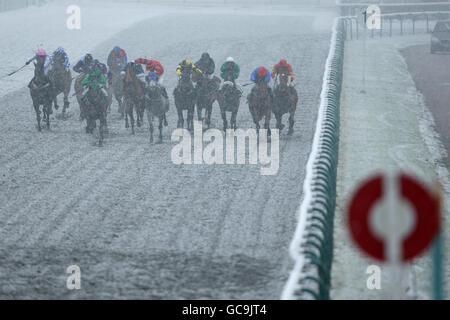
point(187, 66)
point(117, 56)
point(59, 50)
point(155, 72)
point(281, 67)
point(41, 58)
point(94, 79)
point(152, 66)
point(230, 68)
point(260, 74)
point(86, 63)
point(207, 65)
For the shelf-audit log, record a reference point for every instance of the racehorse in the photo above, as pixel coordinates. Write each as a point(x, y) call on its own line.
point(116, 87)
point(285, 100)
point(156, 105)
point(61, 80)
point(260, 103)
point(95, 104)
point(42, 94)
point(185, 98)
point(133, 96)
point(206, 95)
point(229, 99)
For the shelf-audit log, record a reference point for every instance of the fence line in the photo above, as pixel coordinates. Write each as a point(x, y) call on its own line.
point(350, 9)
point(7, 5)
point(352, 27)
point(312, 246)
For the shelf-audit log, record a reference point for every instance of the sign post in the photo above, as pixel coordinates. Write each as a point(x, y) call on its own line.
point(393, 218)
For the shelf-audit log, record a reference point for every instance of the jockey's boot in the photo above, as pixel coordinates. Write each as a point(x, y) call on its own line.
point(164, 93)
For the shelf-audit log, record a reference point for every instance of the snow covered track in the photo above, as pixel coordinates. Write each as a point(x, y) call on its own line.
point(312, 246)
point(136, 224)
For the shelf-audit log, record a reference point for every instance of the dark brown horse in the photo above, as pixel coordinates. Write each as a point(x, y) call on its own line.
point(116, 87)
point(133, 95)
point(62, 81)
point(260, 104)
point(285, 100)
point(95, 104)
point(41, 92)
point(156, 105)
point(229, 99)
point(207, 91)
point(185, 98)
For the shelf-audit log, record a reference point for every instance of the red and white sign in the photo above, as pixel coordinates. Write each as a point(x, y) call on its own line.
point(396, 190)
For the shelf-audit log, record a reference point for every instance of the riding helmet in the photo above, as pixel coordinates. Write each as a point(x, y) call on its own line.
point(261, 71)
point(41, 53)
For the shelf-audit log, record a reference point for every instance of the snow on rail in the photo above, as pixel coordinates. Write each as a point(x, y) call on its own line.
point(292, 285)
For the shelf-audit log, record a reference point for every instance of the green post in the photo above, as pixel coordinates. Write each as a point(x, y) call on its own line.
point(437, 267)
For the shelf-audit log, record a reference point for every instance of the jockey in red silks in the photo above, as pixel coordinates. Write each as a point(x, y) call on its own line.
point(155, 72)
point(152, 65)
point(281, 67)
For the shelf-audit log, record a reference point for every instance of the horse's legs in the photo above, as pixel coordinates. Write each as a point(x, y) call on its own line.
point(224, 119)
point(190, 118)
point(103, 126)
point(120, 108)
point(66, 101)
point(279, 118)
point(233, 119)
point(180, 118)
point(291, 118)
point(254, 113)
point(66, 94)
point(208, 114)
point(161, 127)
point(268, 113)
point(100, 133)
point(150, 123)
point(126, 111)
point(89, 126)
point(38, 114)
point(199, 112)
point(131, 114)
point(139, 114)
point(55, 101)
point(46, 109)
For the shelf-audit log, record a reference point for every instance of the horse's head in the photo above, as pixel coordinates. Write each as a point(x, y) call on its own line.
point(185, 81)
point(39, 74)
point(115, 66)
point(153, 90)
point(284, 80)
point(130, 72)
point(228, 76)
point(197, 76)
point(59, 58)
